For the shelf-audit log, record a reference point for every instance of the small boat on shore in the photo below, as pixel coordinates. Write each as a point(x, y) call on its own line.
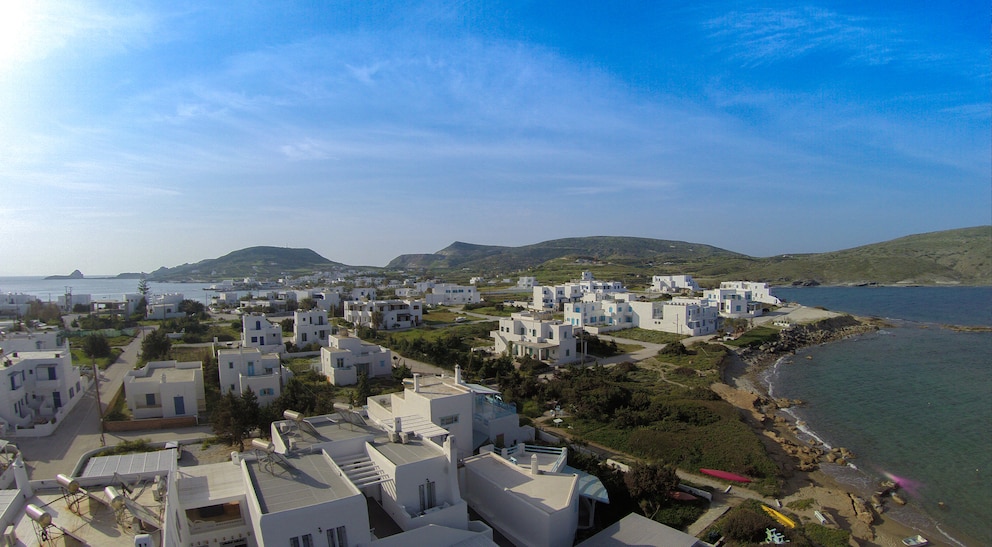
point(915, 541)
point(725, 475)
point(782, 519)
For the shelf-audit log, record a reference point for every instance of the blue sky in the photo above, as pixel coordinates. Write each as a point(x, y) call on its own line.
point(139, 135)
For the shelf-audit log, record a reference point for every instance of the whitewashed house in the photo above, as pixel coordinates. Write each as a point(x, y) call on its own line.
point(597, 313)
point(757, 292)
point(531, 507)
point(394, 314)
point(472, 413)
point(526, 282)
point(673, 284)
point(165, 389)
point(688, 316)
point(38, 383)
point(449, 294)
point(164, 306)
point(15, 304)
point(734, 302)
point(258, 332)
point(310, 327)
point(536, 335)
point(346, 357)
point(241, 369)
point(554, 297)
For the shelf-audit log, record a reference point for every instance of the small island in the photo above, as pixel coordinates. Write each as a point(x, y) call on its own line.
point(76, 274)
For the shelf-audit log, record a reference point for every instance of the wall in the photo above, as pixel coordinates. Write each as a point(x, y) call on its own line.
point(150, 423)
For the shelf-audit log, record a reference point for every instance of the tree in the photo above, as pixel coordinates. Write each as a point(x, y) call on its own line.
point(362, 390)
point(143, 287)
point(649, 485)
point(155, 346)
point(307, 304)
point(287, 324)
point(96, 345)
point(378, 318)
point(230, 420)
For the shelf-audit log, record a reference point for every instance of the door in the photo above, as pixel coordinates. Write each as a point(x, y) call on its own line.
point(57, 399)
point(180, 406)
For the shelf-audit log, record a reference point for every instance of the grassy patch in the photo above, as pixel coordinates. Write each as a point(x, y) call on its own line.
point(826, 536)
point(800, 505)
point(755, 337)
point(300, 364)
point(441, 316)
point(81, 360)
point(650, 336)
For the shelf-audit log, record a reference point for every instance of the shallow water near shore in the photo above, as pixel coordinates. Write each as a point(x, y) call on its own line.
point(912, 402)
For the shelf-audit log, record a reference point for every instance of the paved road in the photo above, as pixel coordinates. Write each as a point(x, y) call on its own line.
point(79, 432)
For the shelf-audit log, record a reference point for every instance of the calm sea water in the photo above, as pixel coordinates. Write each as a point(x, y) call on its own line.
point(913, 401)
point(97, 287)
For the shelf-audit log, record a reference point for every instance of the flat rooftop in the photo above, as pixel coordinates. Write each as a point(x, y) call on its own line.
point(549, 492)
point(172, 375)
point(413, 451)
point(210, 484)
point(433, 387)
point(296, 481)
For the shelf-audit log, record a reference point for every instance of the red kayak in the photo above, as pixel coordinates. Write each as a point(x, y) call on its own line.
point(682, 496)
point(725, 475)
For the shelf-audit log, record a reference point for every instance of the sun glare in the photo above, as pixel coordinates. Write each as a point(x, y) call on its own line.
point(18, 23)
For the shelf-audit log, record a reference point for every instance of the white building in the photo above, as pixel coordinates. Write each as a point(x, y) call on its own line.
point(554, 297)
point(758, 292)
point(39, 384)
point(449, 294)
point(165, 389)
point(258, 332)
point(68, 301)
point(15, 304)
point(733, 302)
point(346, 357)
point(248, 368)
point(165, 306)
point(395, 314)
point(473, 414)
point(361, 293)
point(526, 282)
point(537, 336)
point(688, 316)
point(597, 313)
point(531, 507)
point(310, 327)
point(671, 284)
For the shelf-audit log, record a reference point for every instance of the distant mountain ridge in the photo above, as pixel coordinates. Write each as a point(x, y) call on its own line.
point(260, 262)
point(593, 248)
point(961, 256)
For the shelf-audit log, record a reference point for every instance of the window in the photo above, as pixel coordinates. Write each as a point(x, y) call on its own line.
point(307, 540)
point(340, 362)
point(304, 337)
point(51, 373)
point(254, 339)
point(428, 495)
point(445, 421)
point(337, 537)
point(230, 365)
point(150, 399)
point(266, 392)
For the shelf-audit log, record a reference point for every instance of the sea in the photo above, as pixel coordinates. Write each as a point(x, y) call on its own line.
point(99, 288)
point(913, 401)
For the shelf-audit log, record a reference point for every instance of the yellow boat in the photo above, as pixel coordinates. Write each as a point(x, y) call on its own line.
point(782, 519)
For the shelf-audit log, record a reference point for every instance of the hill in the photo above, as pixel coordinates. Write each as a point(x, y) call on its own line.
point(260, 262)
point(595, 249)
point(962, 256)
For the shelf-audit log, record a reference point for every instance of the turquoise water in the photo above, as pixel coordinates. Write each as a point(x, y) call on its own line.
point(912, 401)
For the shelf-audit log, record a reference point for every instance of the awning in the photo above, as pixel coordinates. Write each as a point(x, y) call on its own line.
point(589, 485)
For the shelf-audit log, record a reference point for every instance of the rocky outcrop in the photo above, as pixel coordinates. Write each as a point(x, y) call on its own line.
point(862, 509)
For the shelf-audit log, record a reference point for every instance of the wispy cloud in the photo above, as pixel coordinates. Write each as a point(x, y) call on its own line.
point(764, 35)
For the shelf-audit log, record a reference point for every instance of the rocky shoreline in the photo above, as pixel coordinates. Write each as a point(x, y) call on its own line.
point(799, 459)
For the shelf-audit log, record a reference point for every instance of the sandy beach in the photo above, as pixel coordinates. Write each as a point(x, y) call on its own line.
point(800, 460)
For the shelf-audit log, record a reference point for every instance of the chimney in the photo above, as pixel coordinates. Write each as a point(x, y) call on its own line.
point(534, 468)
point(397, 424)
point(21, 478)
point(416, 382)
point(458, 374)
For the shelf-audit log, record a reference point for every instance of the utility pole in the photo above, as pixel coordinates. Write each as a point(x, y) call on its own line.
point(99, 405)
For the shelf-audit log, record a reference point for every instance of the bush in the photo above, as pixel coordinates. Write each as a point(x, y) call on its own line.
point(743, 524)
